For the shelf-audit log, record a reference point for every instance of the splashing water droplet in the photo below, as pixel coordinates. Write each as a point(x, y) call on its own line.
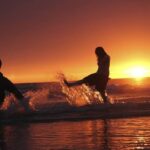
point(79, 95)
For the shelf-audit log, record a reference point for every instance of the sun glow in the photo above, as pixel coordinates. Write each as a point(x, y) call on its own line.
point(137, 72)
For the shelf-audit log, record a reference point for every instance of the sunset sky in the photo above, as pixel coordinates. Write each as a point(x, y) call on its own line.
point(39, 38)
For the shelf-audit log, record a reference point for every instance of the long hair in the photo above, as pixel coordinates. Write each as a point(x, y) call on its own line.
point(100, 52)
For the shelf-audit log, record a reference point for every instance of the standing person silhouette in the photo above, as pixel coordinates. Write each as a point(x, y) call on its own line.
point(98, 79)
point(7, 85)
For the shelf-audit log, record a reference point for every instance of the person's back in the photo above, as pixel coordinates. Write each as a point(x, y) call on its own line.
point(103, 61)
point(103, 66)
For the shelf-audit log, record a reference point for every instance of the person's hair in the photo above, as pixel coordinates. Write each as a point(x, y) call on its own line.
point(0, 63)
point(100, 52)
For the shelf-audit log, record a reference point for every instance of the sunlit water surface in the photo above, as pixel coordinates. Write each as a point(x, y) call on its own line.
point(115, 134)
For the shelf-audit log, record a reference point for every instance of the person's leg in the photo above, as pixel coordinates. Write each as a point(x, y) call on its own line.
point(75, 83)
point(101, 87)
point(89, 80)
point(104, 96)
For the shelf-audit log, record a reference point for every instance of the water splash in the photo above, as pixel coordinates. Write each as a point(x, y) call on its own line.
point(30, 102)
point(37, 97)
point(12, 105)
point(79, 95)
point(9, 104)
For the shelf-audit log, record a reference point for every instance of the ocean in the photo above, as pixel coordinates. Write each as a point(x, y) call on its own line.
point(77, 134)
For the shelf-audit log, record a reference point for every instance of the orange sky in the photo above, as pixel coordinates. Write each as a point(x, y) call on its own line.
point(40, 38)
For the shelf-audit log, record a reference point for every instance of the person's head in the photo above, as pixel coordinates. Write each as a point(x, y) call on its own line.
point(100, 52)
point(0, 63)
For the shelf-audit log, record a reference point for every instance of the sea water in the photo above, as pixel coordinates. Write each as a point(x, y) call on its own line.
point(115, 134)
point(120, 134)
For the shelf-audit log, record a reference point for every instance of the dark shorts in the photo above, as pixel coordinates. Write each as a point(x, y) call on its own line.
point(99, 81)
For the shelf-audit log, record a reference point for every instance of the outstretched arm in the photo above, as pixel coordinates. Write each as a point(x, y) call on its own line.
point(9, 86)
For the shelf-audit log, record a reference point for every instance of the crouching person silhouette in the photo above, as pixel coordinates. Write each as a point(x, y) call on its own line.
point(98, 79)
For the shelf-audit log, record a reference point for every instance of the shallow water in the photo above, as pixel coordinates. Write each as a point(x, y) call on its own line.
point(115, 134)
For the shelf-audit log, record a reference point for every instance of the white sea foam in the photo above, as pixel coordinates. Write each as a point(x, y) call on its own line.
point(79, 95)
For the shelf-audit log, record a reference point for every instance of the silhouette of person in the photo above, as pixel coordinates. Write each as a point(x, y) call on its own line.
point(7, 85)
point(98, 79)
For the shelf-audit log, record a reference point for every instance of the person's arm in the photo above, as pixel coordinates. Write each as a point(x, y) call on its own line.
point(9, 86)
